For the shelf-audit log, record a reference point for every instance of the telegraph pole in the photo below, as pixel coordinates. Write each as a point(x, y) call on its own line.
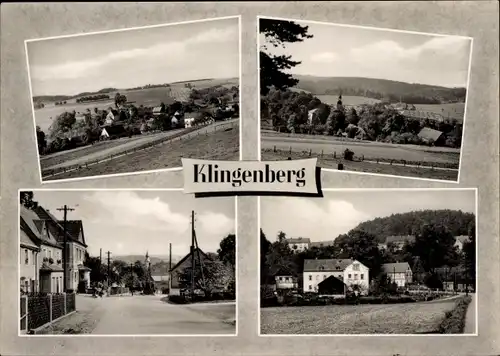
point(109, 266)
point(65, 209)
point(169, 267)
point(192, 253)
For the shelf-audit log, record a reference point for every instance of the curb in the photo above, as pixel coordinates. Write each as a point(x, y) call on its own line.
point(44, 326)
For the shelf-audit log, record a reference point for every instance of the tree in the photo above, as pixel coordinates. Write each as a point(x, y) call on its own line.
point(227, 250)
point(62, 124)
point(469, 252)
point(120, 99)
point(216, 275)
point(26, 199)
point(272, 67)
point(41, 140)
point(265, 246)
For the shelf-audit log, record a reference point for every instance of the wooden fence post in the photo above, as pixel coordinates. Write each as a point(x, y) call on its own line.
point(321, 153)
point(290, 150)
point(310, 152)
point(334, 154)
point(65, 303)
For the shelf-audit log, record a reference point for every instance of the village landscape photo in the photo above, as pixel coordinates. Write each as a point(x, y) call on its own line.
point(363, 99)
point(135, 100)
point(142, 262)
point(347, 264)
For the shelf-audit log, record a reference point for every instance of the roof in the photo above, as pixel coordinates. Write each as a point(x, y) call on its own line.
point(322, 243)
point(399, 267)
point(157, 109)
point(26, 241)
point(46, 266)
point(55, 226)
point(331, 280)
point(429, 134)
point(160, 278)
point(34, 228)
point(193, 115)
point(299, 240)
point(393, 239)
point(114, 129)
point(83, 268)
point(462, 238)
point(326, 265)
point(187, 256)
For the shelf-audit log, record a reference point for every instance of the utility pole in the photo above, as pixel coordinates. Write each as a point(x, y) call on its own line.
point(192, 253)
point(65, 209)
point(169, 267)
point(109, 266)
point(100, 264)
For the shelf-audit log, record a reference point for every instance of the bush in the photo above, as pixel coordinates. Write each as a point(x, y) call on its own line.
point(348, 155)
point(178, 299)
point(454, 321)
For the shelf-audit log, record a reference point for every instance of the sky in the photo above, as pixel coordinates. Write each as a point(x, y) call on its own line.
point(339, 51)
point(323, 219)
point(126, 59)
point(134, 222)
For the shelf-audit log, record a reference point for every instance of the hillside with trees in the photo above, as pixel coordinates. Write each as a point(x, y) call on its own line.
point(456, 221)
point(382, 89)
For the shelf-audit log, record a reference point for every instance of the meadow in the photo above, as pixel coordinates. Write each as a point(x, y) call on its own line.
point(346, 100)
point(449, 110)
point(410, 318)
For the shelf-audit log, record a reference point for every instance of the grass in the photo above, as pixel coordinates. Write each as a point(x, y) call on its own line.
point(330, 163)
point(454, 321)
point(219, 145)
point(412, 318)
point(346, 100)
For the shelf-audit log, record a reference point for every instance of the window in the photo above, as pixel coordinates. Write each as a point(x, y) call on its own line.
point(355, 276)
point(355, 267)
point(33, 257)
point(362, 276)
point(310, 277)
point(310, 287)
point(44, 252)
point(349, 276)
point(26, 257)
point(50, 253)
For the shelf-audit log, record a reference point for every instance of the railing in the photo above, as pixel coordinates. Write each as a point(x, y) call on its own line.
point(176, 137)
point(37, 310)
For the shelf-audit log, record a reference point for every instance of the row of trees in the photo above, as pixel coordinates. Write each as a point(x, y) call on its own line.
point(289, 111)
point(433, 248)
point(97, 97)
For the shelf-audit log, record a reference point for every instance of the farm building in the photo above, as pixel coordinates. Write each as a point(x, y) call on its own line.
point(399, 273)
point(157, 110)
point(397, 242)
point(332, 286)
point(460, 241)
point(113, 131)
point(192, 118)
point(185, 263)
point(429, 135)
point(298, 244)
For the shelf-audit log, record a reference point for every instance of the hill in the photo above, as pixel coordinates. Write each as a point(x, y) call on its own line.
point(390, 90)
point(410, 223)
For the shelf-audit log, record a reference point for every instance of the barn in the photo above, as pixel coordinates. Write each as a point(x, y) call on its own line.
point(110, 132)
point(431, 136)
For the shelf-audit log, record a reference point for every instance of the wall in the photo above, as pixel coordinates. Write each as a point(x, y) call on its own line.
point(355, 276)
point(76, 256)
point(318, 277)
point(29, 271)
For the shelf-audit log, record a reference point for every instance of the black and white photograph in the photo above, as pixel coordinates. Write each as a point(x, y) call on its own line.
point(361, 99)
point(135, 100)
point(347, 264)
point(126, 262)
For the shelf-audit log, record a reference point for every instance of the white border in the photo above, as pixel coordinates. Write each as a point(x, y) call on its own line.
point(19, 334)
point(123, 30)
point(457, 181)
point(375, 335)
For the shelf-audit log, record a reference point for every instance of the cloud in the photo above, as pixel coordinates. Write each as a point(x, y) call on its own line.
point(128, 209)
point(324, 57)
point(169, 52)
point(306, 218)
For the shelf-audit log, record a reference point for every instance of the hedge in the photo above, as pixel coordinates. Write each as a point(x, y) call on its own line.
point(454, 321)
point(181, 299)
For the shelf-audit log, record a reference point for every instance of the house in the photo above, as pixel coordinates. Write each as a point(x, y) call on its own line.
point(460, 241)
point(454, 278)
point(429, 136)
point(192, 118)
point(28, 264)
point(298, 244)
point(396, 242)
point(321, 244)
point(311, 115)
point(176, 282)
point(113, 131)
point(77, 275)
point(350, 272)
point(285, 279)
point(157, 111)
point(399, 273)
point(112, 116)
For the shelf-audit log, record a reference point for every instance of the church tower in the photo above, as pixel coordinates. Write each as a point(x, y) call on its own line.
point(340, 107)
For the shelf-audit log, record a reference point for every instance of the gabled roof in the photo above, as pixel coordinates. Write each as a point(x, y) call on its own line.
point(331, 265)
point(188, 256)
point(35, 228)
point(398, 267)
point(299, 240)
point(27, 242)
point(462, 238)
point(400, 239)
point(322, 244)
point(157, 110)
point(429, 134)
point(331, 280)
point(114, 129)
point(56, 228)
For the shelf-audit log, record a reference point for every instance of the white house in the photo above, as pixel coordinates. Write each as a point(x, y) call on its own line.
point(399, 273)
point(28, 264)
point(298, 244)
point(111, 117)
point(460, 241)
point(351, 272)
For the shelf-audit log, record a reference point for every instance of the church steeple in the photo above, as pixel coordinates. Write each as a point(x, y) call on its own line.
point(339, 102)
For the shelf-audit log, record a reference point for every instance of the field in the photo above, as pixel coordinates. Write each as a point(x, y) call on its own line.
point(365, 166)
point(146, 97)
point(451, 110)
point(222, 144)
point(411, 318)
point(346, 100)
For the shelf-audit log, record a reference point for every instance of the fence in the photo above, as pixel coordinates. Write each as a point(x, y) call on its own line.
point(175, 137)
point(338, 156)
point(37, 310)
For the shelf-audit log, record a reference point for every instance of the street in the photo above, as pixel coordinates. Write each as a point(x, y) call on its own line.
point(145, 315)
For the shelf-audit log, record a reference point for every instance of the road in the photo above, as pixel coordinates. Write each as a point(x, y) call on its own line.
point(148, 315)
point(368, 149)
point(127, 143)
